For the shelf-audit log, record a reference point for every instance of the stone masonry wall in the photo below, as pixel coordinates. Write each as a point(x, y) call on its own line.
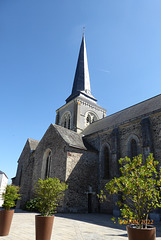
point(53, 142)
point(24, 174)
point(81, 175)
point(156, 135)
point(132, 129)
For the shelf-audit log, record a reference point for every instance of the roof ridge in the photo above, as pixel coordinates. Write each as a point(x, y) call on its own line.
point(130, 106)
point(139, 110)
point(73, 139)
point(66, 129)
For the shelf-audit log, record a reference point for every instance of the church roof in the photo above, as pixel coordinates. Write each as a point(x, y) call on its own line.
point(33, 144)
point(81, 83)
point(72, 138)
point(134, 112)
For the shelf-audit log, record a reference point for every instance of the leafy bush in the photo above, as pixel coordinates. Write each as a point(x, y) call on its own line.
point(31, 205)
point(139, 186)
point(10, 196)
point(48, 193)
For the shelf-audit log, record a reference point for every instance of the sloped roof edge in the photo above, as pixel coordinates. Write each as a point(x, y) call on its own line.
point(72, 138)
point(139, 110)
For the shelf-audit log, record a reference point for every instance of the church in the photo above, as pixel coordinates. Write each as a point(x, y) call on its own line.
point(84, 145)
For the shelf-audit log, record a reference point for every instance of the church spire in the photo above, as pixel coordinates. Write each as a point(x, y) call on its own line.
point(81, 108)
point(81, 83)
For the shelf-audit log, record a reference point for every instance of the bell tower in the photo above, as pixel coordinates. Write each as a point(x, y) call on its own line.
point(81, 108)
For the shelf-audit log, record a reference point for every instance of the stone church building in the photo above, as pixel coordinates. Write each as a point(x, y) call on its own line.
point(84, 145)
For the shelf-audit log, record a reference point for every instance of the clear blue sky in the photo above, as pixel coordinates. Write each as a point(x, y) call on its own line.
point(39, 45)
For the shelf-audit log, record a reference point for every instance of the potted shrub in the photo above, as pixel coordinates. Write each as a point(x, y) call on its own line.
point(48, 193)
point(139, 186)
point(9, 196)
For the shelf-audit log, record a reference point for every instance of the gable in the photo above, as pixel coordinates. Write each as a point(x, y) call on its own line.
point(72, 138)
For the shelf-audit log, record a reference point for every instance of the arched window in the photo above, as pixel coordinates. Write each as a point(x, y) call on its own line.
point(106, 164)
point(48, 165)
point(69, 123)
point(90, 118)
point(65, 123)
point(66, 120)
point(133, 148)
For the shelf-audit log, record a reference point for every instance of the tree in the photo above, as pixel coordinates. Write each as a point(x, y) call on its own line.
point(139, 186)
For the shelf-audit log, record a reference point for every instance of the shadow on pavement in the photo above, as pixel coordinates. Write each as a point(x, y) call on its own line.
point(103, 220)
point(96, 218)
point(93, 218)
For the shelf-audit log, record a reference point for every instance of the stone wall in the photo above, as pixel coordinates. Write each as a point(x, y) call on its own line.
point(24, 174)
point(156, 135)
point(146, 132)
point(78, 109)
point(77, 167)
point(53, 142)
point(22, 161)
point(81, 176)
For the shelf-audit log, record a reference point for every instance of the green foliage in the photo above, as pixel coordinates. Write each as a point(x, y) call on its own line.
point(31, 205)
point(10, 196)
point(48, 193)
point(139, 186)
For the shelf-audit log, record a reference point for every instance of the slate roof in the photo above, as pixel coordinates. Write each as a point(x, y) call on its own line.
point(139, 110)
point(81, 84)
point(72, 138)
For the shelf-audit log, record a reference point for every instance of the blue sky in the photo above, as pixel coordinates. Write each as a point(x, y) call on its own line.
point(39, 45)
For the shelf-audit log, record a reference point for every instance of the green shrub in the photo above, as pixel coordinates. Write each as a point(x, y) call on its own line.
point(10, 196)
point(48, 193)
point(31, 205)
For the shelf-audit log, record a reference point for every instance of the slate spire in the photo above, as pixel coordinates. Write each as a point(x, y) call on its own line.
point(81, 84)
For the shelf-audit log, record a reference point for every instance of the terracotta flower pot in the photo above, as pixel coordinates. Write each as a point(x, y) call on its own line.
point(5, 221)
point(141, 234)
point(43, 227)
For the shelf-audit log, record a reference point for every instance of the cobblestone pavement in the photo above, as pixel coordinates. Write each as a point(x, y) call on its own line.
point(71, 227)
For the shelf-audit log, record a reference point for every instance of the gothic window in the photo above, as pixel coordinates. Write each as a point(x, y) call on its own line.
point(69, 123)
point(90, 118)
point(66, 120)
point(65, 123)
point(105, 162)
point(133, 148)
point(48, 165)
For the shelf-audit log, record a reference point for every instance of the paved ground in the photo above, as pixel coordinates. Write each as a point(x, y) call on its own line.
point(71, 227)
